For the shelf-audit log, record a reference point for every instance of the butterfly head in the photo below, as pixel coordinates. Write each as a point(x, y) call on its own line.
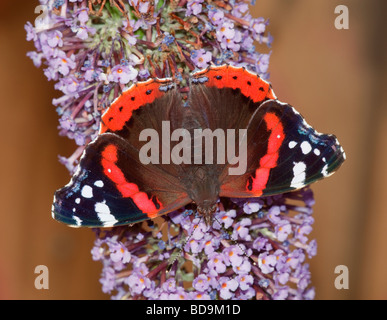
point(206, 210)
point(203, 189)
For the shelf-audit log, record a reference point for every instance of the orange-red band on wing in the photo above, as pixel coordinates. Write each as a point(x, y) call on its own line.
point(126, 188)
point(269, 160)
point(138, 95)
point(226, 76)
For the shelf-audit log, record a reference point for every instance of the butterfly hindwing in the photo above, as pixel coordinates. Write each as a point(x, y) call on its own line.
point(136, 97)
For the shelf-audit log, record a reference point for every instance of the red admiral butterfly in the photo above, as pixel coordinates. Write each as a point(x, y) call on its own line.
point(113, 187)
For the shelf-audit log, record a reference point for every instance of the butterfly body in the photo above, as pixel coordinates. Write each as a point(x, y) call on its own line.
point(202, 187)
point(157, 152)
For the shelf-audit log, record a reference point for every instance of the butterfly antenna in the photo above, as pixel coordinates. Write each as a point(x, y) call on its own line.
point(235, 242)
point(183, 245)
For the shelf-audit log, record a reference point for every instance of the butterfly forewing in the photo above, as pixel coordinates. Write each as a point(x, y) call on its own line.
point(113, 186)
point(286, 154)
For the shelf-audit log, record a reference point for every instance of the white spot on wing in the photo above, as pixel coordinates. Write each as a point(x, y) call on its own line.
point(78, 221)
point(305, 147)
point(98, 183)
point(292, 144)
point(87, 192)
point(103, 212)
point(77, 200)
point(299, 175)
point(316, 152)
point(324, 170)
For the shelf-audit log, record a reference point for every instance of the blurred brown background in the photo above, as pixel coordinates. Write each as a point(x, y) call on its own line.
point(336, 78)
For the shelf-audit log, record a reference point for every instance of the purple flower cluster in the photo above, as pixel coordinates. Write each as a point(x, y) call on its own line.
point(93, 50)
point(255, 249)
